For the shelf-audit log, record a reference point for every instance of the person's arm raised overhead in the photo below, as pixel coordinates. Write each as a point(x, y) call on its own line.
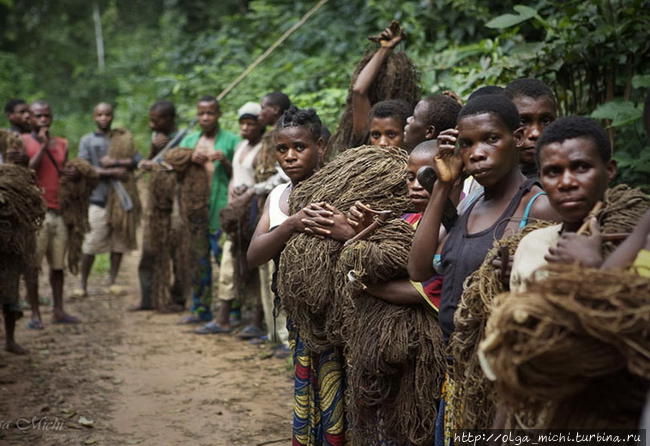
point(388, 39)
point(448, 166)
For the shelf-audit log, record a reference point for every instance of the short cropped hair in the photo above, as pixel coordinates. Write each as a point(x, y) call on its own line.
point(279, 99)
point(442, 112)
point(392, 108)
point(11, 105)
point(428, 147)
point(166, 108)
point(209, 98)
point(485, 90)
point(529, 87)
point(297, 117)
point(575, 127)
point(496, 104)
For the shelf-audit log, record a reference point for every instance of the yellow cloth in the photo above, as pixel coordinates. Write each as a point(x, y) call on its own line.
point(642, 263)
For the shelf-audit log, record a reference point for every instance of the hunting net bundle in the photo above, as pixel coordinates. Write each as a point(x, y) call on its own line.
point(21, 213)
point(370, 174)
point(573, 350)
point(394, 353)
point(11, 141)
point(239, 220)
point(157, 234)
point(124, 223)
point(472, 401)
point(398, 78)
point(74, 193)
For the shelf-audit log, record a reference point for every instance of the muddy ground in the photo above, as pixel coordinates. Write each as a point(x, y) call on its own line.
point(138, 378)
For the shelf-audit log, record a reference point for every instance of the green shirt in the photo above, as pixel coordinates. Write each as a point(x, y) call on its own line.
point(226, 142)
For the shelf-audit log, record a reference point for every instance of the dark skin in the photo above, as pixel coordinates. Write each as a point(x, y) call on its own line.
point(299, 154)
point(575, 178)
point(11, 345)
point(20, 118)
point(417, 129)
point(251, 130)
point(42, 118)
point(269, 113)
point(488, 151)
point(535, 115)
point(625, 254)
point(103, 117)
point(163, 124)
point(386, 132)
point(208, 114)
point(388, 40)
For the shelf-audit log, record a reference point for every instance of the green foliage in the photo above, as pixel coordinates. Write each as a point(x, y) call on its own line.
point(591, 52)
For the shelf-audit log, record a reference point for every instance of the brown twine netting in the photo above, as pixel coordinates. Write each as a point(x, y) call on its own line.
point(371, 174)
point(473, 397)
point(237, 220)
point(74, 193)
point(193, 198)
point(157, 233)
point(575, 348)
point(398, 78)
point(394, 353)
point(10, 141)
point(124, 224)
point(21, 213)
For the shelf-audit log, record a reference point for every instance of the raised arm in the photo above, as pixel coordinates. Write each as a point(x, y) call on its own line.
point(388, 39)
point(448, 166)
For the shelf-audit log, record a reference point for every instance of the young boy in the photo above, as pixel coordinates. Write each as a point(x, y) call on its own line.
point(18, 115)
point(164, 133)
point(386, 123)
point(47, 156)
point(213, 149)
point(575, 168)
point(241, 192)
point(537, 108)
point(93, 147)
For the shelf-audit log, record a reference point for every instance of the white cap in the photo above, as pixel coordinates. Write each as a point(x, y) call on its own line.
point(249, 110)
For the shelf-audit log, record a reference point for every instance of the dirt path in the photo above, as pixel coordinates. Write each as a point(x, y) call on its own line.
point(138, 378)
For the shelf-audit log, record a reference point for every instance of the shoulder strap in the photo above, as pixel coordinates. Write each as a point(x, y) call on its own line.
point(49, 155)
point(529, 206)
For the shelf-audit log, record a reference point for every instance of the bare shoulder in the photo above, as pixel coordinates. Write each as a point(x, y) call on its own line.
point(542, 209)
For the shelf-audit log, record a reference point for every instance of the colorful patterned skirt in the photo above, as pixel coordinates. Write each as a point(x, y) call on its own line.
point(319, 386)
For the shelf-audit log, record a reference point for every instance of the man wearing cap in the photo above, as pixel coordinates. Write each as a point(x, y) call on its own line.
point(239, 188)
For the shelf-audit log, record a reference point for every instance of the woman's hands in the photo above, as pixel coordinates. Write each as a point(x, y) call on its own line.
point(447, 163)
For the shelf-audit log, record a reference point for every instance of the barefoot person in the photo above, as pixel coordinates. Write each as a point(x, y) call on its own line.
point(48, 155)
point(93, 147)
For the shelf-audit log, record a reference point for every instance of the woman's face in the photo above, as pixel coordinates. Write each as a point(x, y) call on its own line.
point(298, 152)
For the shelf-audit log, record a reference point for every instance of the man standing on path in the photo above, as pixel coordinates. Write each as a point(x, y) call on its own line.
point(47, 157)
point(93, 147)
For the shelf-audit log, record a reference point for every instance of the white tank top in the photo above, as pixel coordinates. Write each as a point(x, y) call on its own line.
point(276, 216)
point(243, 171)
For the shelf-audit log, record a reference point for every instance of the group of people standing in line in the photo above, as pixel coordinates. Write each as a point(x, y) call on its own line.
point(491, 194)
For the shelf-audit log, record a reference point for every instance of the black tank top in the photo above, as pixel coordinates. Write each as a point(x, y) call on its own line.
point(463, 254)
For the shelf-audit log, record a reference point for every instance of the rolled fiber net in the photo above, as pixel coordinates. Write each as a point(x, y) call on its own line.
point(371, 174)
point(574, 347)
point(397, 79)
point(124, 223)
point(394, 353)
point(74, 193)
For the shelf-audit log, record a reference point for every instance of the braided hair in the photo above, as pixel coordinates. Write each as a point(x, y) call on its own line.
point(301, 117)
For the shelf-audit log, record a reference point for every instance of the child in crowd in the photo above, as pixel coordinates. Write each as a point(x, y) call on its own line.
point(213, 149)
point(319, 382)
point(537, 108)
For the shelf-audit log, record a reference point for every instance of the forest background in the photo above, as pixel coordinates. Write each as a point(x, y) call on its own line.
point(595, 54)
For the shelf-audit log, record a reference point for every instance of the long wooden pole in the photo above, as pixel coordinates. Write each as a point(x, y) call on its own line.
point(266, 53)
point(99, 37)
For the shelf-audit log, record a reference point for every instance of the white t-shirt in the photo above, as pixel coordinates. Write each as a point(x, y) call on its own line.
point(530, 253)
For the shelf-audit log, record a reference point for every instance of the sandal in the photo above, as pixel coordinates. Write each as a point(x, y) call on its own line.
point(35, 324)
point(190, 319)
point(250, 332)
point(212, 328)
